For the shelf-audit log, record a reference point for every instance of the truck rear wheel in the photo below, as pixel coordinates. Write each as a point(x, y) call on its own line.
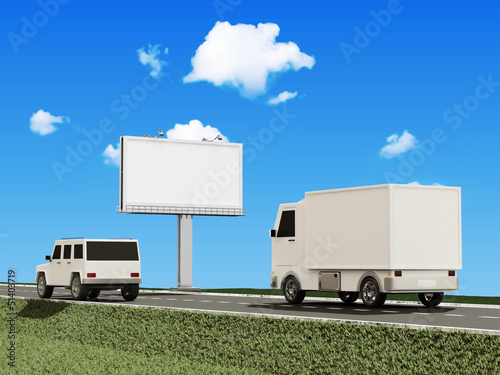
point(292, 291)
point(43, 290)
point(348, 297)
point(130, 291)
point(430, 299)
point(371, 294)
point(78, 290)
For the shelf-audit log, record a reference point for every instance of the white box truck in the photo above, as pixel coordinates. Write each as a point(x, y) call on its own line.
point(370, 240)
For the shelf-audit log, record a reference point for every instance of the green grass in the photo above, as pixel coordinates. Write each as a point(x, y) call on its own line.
point(61, 338)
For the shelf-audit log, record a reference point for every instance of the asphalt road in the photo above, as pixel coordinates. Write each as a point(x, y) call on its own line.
point(445, 316)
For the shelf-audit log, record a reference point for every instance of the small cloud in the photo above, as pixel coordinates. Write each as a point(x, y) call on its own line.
point(418, 183)
point(194, 131)
point(398, 145)
point(151, 58)
point(282, 97)
point(244, 57)
point(112, 155)
point(43, 123)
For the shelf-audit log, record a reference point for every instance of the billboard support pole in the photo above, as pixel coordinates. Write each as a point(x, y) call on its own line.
point(185, 253)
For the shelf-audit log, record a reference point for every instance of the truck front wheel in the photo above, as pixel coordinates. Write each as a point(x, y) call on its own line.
point(371, 294)
point(293, 293)
point(430, 299)
point(348, 297)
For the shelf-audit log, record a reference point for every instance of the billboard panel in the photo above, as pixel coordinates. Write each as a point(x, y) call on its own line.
point(166, 176)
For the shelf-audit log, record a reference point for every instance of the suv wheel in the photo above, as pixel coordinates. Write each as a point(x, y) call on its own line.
point(130, 291)
point(79, 291)
point(43, 290)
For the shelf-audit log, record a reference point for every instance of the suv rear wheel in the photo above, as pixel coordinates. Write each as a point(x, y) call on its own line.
point(79, 291)
point(130, 291)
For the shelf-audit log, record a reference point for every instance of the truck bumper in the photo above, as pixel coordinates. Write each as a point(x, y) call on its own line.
point(421, 284)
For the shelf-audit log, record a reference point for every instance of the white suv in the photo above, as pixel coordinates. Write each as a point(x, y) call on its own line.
point(89, 266)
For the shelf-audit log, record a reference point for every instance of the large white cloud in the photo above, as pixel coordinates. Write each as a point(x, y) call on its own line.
point(112, 155)
point(244, 56)
point(151, 58)
point(42, 122)
point(194, 131)
point(398, 145)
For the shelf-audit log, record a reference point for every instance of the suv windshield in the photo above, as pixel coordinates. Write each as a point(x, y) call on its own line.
point(115, 250)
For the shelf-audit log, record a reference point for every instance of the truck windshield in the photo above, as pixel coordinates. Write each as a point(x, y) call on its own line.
point(107, 250)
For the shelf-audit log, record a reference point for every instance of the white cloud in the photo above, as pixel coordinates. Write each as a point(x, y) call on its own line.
point(194, 131)
point(244, 56)
point(112, 155)
point(42, 122)
point(282, 97)
point(398, 145)
point(418, 183)
point(151, 58)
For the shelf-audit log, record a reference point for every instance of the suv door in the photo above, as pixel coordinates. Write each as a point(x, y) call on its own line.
point(66, 264)
point(54, 268)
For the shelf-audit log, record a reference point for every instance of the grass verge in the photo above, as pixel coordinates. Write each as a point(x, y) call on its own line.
point(56, 337)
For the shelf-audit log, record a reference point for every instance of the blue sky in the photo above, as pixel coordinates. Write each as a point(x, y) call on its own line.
point(421, 78)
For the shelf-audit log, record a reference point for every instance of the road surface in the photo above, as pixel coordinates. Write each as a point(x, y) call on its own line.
point(445, 316)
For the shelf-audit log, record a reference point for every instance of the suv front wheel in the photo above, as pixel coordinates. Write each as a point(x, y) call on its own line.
point(79, 291)
point(43, 290)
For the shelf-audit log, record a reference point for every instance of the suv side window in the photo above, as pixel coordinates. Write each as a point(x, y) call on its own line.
point(57, 252)
point(287, 224)
point(67, 251)
point(78, 252)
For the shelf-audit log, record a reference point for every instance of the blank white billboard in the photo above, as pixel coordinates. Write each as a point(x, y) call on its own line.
point(163, 176)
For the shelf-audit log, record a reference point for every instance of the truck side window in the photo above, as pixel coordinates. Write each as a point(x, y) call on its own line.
point(78, 252)
point(57, 252)
point(67, 251)
point(287, 224)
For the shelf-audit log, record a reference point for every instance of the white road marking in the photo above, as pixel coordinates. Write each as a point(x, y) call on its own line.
point(241, 303)
point(188, 300)
point(334, 308)
point(310, 307)
point(205, 300)
point(422, 313)
point(490, 317)
point(389, 311)
point(287, 305)
point(223, 302)
point(361, 310)
point(170, 299)
point(453, 315)
point(155, 298)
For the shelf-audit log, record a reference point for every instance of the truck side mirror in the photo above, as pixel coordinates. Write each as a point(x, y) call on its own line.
point(47, 257)
point(272, 233)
